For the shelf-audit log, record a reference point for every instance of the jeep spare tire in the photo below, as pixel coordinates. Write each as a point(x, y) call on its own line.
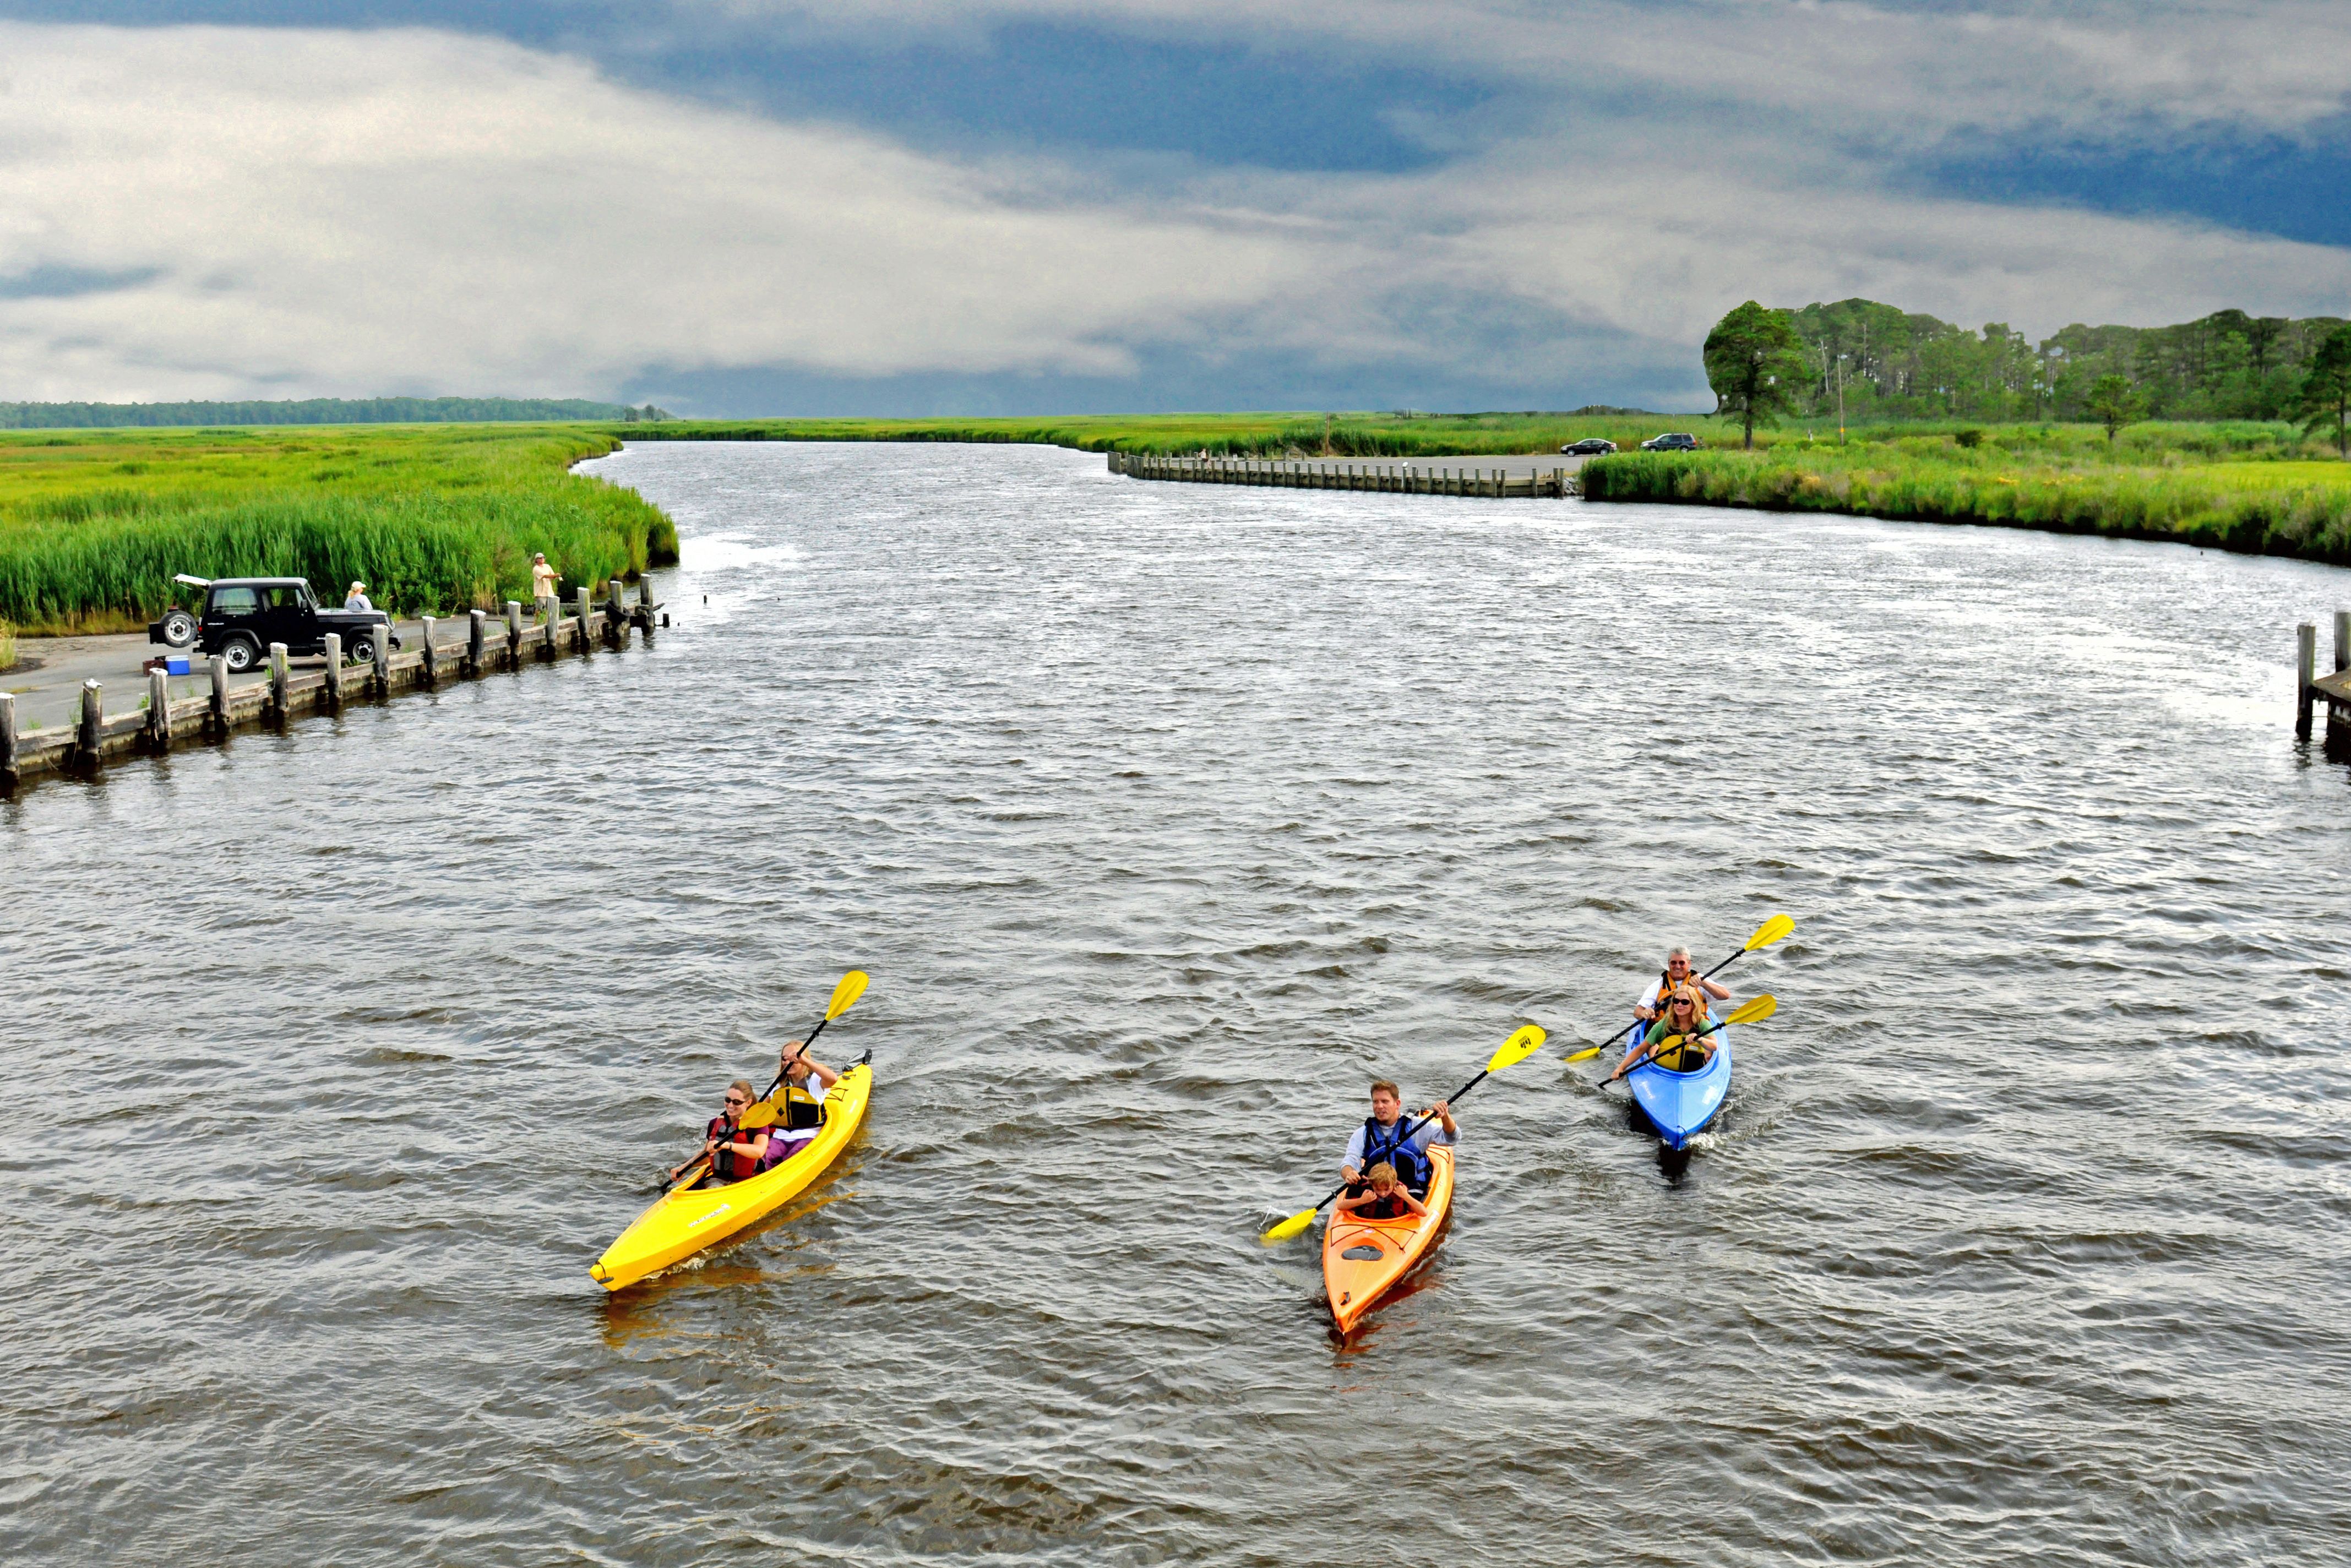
point(179, 628)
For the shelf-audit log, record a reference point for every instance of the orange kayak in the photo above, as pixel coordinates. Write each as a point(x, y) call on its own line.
point(1363, 1257)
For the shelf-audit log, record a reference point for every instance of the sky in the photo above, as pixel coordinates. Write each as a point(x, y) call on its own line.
point(909, 207)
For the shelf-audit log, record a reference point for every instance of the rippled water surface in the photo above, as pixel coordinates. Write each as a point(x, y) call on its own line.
point(1164, 817)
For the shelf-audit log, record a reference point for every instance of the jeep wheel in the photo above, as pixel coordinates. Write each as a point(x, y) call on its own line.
point(240, 653)
point(179, 628)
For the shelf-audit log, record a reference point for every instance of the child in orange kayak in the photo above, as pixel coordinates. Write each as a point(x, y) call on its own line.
point(1384, 1197)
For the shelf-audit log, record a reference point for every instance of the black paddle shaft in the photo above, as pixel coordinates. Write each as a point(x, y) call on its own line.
point(804, 1047)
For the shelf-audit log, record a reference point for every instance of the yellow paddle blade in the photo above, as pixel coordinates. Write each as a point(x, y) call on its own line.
point(1292, 1225)
point(1771, 931)
point(1586, 1054)
point(844, 994)
point(1756, 1011)
point(1517, 1049)
point(763, 1114)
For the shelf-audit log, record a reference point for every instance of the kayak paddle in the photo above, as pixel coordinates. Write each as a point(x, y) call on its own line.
point(1771, 931)
point(1755, 1011)
point(1515, 1050)
point(844, 997)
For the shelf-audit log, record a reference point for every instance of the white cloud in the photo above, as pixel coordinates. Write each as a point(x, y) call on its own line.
point(353, 213)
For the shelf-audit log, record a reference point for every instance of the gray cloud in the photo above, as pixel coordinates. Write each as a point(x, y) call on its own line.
point(352, 213)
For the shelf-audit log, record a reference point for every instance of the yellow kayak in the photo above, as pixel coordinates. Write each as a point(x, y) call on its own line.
point(681, 1224)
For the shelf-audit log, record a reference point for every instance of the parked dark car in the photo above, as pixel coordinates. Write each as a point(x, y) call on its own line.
point(1590, 446)
point(1675, 442)
point(241, 616)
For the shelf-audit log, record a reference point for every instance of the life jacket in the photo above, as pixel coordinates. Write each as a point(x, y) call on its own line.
point(796, 1109)
point(1389, 1145)
point(726, 1163)
point(1388, 1207)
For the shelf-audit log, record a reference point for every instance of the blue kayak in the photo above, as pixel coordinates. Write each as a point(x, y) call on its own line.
point(1679, 1104)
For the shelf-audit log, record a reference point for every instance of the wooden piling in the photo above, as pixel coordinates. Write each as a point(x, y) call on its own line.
point(382, 652)
point(93, 723)
point(159, 711)
point(476, 628)
point(2343, 640)
point(513, 633)
point(2306, 670)
point(8, 738)
point(582, 603)
point(216, 721)
point(280, 682)
point(432, 656)
point(334, 670)
point(616, 615)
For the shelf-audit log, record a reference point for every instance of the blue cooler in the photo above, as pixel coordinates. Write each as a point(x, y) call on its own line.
point(175, 665)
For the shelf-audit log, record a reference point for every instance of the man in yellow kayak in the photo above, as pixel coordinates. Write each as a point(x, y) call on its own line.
point(733, 1154)
point(1381, 1140)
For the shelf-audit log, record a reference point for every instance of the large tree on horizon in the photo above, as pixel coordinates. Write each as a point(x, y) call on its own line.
point(2326, 389)
point(1755, 362)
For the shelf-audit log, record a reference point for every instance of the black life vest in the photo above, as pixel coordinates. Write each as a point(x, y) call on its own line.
point(1389, 1145)
point(726, 1163)
point(796, 1109)
point(1389, 1207)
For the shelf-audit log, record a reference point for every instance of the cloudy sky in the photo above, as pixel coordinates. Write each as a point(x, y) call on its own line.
point(1023, 206)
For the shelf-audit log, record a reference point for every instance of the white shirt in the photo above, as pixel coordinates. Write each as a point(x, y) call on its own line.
point(357, 601)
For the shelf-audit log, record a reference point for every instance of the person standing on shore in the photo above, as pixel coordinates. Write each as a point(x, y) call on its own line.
point(357, 598)
point(543, 579)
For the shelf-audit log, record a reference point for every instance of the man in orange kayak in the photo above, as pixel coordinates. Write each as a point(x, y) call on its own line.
point(1381, 1139)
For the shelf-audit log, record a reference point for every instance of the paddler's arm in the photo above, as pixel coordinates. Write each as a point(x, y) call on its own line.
point(1352, 1166)
point(1444, 1115)
point(1715, 988)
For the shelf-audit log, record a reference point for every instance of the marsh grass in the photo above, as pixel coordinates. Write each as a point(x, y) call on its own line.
point(2161, 486)
point(434, 519)
point(7, 646)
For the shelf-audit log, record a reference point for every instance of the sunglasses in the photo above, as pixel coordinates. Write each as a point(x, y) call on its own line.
point(737, 1100)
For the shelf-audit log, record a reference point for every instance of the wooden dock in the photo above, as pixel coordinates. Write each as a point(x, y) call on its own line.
point(159, 722)
point(1315, 474)
point(2311, 688)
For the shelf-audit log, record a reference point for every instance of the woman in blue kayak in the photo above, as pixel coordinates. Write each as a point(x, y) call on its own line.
point(1685, 1015)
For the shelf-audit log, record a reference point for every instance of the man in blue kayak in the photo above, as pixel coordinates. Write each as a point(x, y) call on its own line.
point(1382, 1140)
point(1677, 972)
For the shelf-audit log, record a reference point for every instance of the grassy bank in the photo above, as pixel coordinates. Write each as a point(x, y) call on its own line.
point(2249, 487)
point(94, 524)
point(1224, 435)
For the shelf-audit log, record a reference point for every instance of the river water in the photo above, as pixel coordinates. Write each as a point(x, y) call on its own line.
point(1164, 817)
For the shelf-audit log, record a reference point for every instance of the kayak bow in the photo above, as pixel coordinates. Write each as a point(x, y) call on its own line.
point(1680, 1105)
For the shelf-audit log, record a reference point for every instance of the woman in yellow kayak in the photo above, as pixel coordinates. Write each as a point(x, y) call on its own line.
point(733, 1153)
point(799, 1103)
point(1685, 1015)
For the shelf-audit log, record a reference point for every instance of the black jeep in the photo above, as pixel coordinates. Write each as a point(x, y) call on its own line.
point(242, 615)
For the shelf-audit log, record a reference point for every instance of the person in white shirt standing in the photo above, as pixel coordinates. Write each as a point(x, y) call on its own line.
point(543, 579)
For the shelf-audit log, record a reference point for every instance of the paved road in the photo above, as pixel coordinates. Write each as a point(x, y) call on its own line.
point(50, 696)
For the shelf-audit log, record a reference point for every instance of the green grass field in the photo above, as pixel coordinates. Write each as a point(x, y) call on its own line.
point(1224, 434)
point(2158, 482)
point(94, 524)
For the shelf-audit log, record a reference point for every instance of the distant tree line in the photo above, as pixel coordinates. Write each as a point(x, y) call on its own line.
point(317, 411)
point(1897, 365)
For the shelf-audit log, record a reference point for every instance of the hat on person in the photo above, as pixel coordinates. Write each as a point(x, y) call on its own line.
point(357, 586)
